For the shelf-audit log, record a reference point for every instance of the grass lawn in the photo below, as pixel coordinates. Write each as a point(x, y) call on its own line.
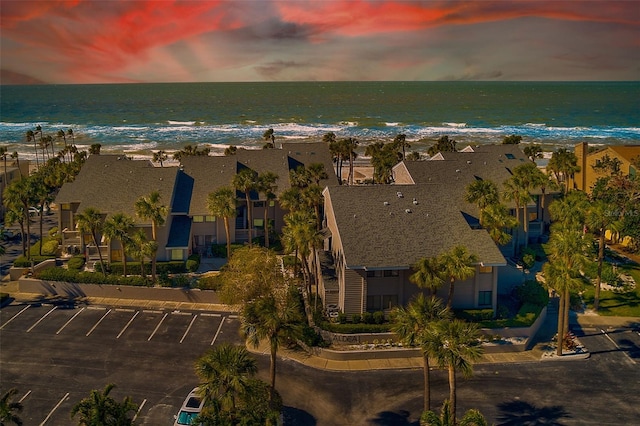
point(618, 304)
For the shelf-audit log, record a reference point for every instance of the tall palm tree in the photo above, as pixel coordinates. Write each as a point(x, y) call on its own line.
point(317, 172)
point(427, 274)
point(225, 376)
point(569, 211)
point(118, 227)
point(567, 256)
point(564, 165)
point(222, 203)
point(150, 207)
point(457, 264)
point(400, 142)
point(91, 221)
point(455, 346)
point(160, 157)
point(533, 152)
point(42, 194)
point(9, 408)
point(266, 185)
point(413, 325)
point(513, 191)
point(274, 320)
point(269, 136)
point(300, 235)
point(101, 409)
point(246, 181)
point(350, 146)
point(19, 196)
point(15, 156)
point(4, 153)
point(31, 137)
point(482, 193)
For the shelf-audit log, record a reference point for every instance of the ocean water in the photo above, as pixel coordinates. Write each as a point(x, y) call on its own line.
point(140, 118)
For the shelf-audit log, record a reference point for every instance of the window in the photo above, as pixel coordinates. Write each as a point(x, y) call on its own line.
point(391, 273)
point(381, 302)
point(198, 219)
point(389, 301)
point(272, 203)
point(371, 274)
point(486, 269)
point(209, 218)
point(258, 204)
point(484, 298)
point(176, 254)
point(510, 156)
point(258, 223)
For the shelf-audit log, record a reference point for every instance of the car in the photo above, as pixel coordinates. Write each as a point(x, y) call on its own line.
point(34, 211)
point(190, 409)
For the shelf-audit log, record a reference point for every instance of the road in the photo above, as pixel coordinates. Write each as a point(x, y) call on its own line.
point(55, 356)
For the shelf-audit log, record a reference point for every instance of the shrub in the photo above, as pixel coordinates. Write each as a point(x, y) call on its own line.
point(72, 276)
point(193, 263)
point(209, 282)
point(76, 262)
point(181, 281)
point(220, 250)
point(474, 315)
point(342, 317)
point(532, 292)
point(23, 262)
point(53, 231)
point(356, 318)
point(4, 296)
point(355, 328)
point(367, 318)
point(311, 338)
point(378, 317)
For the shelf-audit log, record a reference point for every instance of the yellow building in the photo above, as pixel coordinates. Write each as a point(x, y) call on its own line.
point(587, 176)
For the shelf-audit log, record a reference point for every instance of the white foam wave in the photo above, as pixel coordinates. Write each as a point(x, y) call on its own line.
point(181, 123)
point(394, 124)
point(457, 125)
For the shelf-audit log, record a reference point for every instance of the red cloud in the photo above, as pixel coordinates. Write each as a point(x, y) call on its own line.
point(356, 18)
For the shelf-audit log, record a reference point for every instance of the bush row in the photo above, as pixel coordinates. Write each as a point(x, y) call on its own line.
point(355, 328)
point(172, 267)
point(74, 276)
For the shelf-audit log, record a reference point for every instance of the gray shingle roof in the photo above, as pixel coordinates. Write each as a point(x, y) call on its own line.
point(212, 172)
point(113, 183)
point(380, 230)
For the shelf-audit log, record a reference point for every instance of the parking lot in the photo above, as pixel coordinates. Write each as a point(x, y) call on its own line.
point(55, 355)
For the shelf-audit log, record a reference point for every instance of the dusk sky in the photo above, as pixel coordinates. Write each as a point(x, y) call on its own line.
point(122, 41)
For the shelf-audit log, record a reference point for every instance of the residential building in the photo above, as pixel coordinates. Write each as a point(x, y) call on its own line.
point(623, 155)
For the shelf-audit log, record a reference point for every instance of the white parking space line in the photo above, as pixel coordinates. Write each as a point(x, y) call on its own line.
point(128, 324)
point(70, 319)
point(157, 327)
point(233, 316)
point(41, 318)
point(147, 311)
point(181, 313)
point(144, 401)
point(125, 310)
point(217, 332)
point(97, 308)
point(14, 317)
point(617, 347)
point(25, 396)
point(189, 328)
point(206, 314)
point(54, 408)
point(98, 323)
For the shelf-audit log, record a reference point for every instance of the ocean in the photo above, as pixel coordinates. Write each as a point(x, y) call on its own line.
point(138, 119)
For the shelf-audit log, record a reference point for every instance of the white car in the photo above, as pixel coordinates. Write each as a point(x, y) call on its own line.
point(190, 409)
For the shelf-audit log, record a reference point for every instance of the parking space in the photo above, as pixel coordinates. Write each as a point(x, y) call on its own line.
point(55, 355)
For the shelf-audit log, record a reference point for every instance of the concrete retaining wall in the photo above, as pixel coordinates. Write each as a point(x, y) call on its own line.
point(74, 290)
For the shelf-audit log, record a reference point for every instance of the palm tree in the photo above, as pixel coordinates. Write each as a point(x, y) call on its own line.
point(301, 235)
point(41, 193)
point(599, 219)
point(19, 196)
point(3, 154)
point(495, 219)
point(101, 409)
point(91, 221)
point(230, 150)
point(140, 248)
point(472, 417)
point(277, 321)
point(15, 156)
point(270, 138)
point(317, 172)
point(151, 208)
point(427, 274)
point(222, 203)
point(455, 345)
point(267, 185)
point(8, 408)
point(564, 165)
point(350, 145)
point(160, 157)
point(569, 212)
point(457, 264)
point(246, 181)
point(513, 191)
point(118, 227)
point(400, 142)
point(225, 376)
point(30, 136)
point(94, 149)
point(413, 325)
point(17, 214)
point(482, 193)
point(533, 152)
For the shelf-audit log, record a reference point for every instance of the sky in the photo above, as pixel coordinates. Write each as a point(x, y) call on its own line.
point(139, 41)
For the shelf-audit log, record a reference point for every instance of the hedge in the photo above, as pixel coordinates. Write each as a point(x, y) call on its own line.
point(355, 328)
point(172, 267)
point(23, 262)
point(72, 276)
